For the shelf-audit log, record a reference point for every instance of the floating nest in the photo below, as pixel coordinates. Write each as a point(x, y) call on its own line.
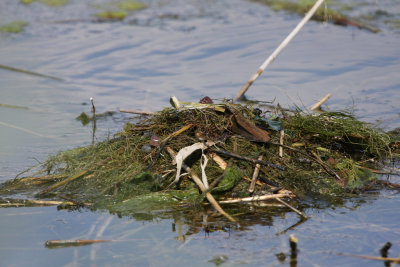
point(319, 155)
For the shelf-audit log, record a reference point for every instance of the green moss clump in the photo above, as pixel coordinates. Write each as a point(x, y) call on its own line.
point(231, 179)
point(13, 27)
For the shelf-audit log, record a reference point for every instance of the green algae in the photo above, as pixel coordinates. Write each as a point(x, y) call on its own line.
point(129, 5)
point(54, 3)
point(14, 26)
point(118, 10)
point(112, 15)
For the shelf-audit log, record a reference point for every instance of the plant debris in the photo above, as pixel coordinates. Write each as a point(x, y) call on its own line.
point(324, 155)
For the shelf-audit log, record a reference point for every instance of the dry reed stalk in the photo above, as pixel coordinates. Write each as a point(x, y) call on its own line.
point(284, 43)
point(281, 143)
point(255, 198)
point(317, 106)
point(134, 111)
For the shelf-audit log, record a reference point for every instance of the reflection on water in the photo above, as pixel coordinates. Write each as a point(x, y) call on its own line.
point(189, 49)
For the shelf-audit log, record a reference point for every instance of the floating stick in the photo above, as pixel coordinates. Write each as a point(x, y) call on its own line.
point(278, 50)
point(72, 243)
point(292, 208)
point(394, 260)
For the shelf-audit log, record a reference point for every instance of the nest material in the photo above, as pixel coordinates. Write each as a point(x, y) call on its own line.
point(324, 155)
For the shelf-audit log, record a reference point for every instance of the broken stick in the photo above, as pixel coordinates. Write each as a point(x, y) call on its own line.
point(323, 100)
point(203, 189)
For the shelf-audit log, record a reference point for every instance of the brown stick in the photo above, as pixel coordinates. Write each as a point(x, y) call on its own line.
point(395, 260)
point(327, 169)
point(255, 176)
point(70, 243)
point(200, 184)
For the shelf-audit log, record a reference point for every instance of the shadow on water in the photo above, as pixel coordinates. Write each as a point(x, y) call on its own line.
point(189, 49)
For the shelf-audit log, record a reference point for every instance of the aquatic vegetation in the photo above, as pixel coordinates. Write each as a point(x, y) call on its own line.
point(13, 27)
point(118, 10)
point(112, 15)
point(47, 2)
point(332, 12)
point(327, 155)
point(129, 5)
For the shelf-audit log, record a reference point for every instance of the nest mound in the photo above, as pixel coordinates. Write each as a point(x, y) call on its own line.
point(327, 154)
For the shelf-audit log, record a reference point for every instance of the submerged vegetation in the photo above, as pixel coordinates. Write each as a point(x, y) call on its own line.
point(14, 26)
point(333, 11)
point(322, 155)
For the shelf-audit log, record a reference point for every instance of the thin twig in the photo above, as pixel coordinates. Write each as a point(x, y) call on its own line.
point(328, 170)
point(30, 72)
point(255, 198)
point(284, 43)
point(255, 175)
point(292, 208)
point(255, 161)
point(134, 111)
point(316, 158)
point(200, 184)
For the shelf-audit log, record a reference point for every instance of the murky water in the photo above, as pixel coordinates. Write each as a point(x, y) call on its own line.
point(189, 49)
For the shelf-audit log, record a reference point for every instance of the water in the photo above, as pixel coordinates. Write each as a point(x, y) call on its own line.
point(189, 49)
